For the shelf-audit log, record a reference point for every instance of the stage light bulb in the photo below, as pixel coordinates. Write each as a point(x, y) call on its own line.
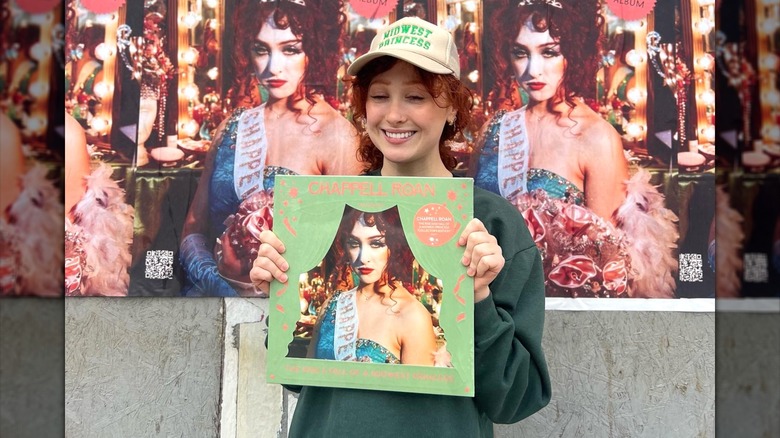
point(771, 133)
point(190, 91)
point(189, 128)
point(104, 18)
point(634, 58)
point(474, 76)
point(213, 73)
point(212, 3)
point(635, 95)
point(772, 97)
point(39, 89)
point(707, 97)
point(190, 55)
point(770, 25)
point(103, 51)
point(101, 89)
point(634, 130)
point(706, 61)
point(634, 25)
point(99, 124)
point(770, 62)
point(708, 133)
point(190, 20)
point(704, 26)
point(40, 51)
point(36, 124)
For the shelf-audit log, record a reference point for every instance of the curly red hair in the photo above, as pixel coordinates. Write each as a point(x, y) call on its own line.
point(577, 26)
point(399, 259)
point(319, 25)
point(438, 85)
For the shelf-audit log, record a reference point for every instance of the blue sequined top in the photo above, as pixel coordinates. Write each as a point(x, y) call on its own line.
point(223, 201)
point(486, 175)
point(366, 349)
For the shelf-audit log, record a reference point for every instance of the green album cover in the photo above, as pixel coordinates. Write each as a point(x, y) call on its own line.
point(377, 296)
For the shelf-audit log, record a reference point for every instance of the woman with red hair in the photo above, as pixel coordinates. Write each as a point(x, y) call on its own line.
point(290, 51)
point(394, 326)
point(601, 234)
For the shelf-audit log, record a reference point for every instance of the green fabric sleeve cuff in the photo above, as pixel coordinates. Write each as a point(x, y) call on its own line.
point(486, 318)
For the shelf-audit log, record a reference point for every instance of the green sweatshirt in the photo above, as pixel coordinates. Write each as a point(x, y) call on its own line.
point(512, 381)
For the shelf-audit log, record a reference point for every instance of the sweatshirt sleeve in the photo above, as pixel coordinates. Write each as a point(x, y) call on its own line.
point(512, 380)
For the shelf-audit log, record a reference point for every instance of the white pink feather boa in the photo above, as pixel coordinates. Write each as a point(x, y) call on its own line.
point(584, 255)
point(652, 232)
point(729, 237)
point(31, 233)
point(100, 238)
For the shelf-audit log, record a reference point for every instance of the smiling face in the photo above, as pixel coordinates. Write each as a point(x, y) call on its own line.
point(278, 59)
point(368, 252)
point(405, 122)
point(538, 63)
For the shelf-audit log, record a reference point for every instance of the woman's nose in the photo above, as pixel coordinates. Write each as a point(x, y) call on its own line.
point(275, 63)
point(534, 68)
point(359, 259)
point(395, 112)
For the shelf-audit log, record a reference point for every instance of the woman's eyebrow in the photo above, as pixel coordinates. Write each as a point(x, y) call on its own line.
point(523, 46)
point(281, 43)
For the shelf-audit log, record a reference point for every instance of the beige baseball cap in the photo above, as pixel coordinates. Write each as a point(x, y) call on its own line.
point(417, 42)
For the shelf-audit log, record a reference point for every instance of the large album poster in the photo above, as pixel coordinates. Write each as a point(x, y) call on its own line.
point(618, 193)
point(378, 257)
point(31, 153)
point(748, 143)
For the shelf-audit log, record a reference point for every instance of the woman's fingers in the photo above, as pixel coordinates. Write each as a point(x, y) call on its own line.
point(270, 264)
point(483, 255)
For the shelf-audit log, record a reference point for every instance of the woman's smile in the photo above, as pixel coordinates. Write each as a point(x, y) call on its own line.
point(397, 137)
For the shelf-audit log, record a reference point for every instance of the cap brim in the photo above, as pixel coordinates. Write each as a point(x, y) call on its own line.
point(417, 59)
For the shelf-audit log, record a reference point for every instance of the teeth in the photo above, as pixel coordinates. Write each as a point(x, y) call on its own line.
point(399, 135)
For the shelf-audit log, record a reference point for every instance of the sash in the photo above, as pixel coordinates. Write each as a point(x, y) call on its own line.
point(513, 151)
point(346, 327)
point(251, 148)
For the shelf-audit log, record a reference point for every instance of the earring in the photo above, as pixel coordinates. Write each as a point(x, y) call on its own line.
point(363, 123)
point(452, 122)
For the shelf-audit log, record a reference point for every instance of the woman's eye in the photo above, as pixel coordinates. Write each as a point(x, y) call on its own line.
point(292, 50)
point(519, 53)
point(379, 243)
point(378, 96)
point(551, 53)
point(259, 49)
point(416, 98)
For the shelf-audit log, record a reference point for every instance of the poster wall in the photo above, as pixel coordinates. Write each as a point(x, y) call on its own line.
point(641, 93)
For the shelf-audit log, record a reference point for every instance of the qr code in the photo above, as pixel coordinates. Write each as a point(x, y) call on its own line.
point(756, 267)
point(159, 265)
point(691, 268)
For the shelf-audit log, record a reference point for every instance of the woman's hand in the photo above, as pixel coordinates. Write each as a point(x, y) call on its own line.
point(269, 264)
point(229, 264)
point(483, 257)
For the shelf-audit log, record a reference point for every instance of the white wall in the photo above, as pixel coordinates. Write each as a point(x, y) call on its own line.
point(159, 367)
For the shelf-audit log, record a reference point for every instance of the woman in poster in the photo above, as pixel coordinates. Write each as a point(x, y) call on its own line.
point(408, 104)
point(601, 234)
point(393, 326)
point(30, 222)
point(98, 223)
point(292, 50)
